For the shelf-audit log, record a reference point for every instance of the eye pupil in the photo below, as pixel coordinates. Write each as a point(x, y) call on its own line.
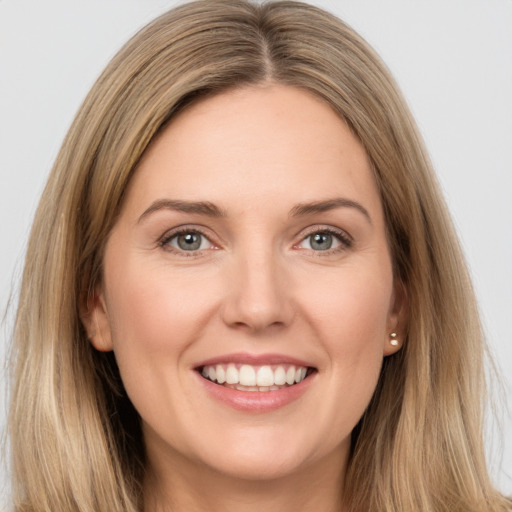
point(189, 241)
point(321, 241)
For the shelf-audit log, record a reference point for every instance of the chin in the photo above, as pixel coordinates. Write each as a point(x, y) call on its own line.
point(260, 468)
point(273, 455)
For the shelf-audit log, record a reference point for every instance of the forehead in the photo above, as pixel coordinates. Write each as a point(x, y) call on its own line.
point(273, 143)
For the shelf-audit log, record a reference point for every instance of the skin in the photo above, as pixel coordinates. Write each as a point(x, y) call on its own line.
point(256, 286)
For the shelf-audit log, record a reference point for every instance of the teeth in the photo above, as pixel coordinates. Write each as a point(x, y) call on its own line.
point(265, 376)
point(221, 374)
point(255, 378)
point(290, 375)
point(279, 376)
point(247, 376)
point(246, 388)
point(232, 374)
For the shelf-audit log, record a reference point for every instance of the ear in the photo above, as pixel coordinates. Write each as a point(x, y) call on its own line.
point(397, 320)
point(94, 316)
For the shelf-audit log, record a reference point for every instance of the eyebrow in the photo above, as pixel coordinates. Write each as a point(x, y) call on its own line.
point(302, 209)
point(211, 210)
point(199, 207)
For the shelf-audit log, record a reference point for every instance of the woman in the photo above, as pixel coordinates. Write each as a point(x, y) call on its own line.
point(242, 289)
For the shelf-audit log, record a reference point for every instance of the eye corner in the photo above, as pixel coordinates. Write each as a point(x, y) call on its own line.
point(186, 241)
point(334, 239)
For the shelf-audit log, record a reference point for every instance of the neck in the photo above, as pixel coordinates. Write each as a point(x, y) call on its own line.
point(185, 486)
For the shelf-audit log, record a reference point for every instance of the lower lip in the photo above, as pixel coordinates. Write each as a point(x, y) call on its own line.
point(256, 401)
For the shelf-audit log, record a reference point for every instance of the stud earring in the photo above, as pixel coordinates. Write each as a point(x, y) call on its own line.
point(393, 341)
point(91, 336)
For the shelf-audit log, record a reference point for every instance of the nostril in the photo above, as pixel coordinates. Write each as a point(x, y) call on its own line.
point(258, 303)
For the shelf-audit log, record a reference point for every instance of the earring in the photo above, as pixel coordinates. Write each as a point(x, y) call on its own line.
point(91, 336)
point(393, 341)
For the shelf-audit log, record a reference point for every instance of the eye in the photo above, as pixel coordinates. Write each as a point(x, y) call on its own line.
point(325, 240)
point(187, 240)
point(319, 242)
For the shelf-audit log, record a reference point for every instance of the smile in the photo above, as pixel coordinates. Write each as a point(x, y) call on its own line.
point(255, 383)
point(246, 377)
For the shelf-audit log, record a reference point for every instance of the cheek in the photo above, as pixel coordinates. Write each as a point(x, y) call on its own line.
point(353, 310)
point(152, 310)
point(351, 322)
point(154, 318)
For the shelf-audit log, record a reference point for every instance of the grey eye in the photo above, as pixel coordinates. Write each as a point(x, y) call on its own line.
point(189, 241)
point(321, 241)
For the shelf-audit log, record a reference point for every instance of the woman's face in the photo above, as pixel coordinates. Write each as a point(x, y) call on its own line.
point(248, 292)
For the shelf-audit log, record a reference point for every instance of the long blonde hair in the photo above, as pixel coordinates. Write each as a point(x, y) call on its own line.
point(76, 440)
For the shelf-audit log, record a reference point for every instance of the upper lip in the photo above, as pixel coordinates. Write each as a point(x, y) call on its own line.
point(253, 360)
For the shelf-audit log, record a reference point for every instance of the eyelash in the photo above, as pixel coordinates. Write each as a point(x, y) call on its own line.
point(164, 242)
point(345, 240)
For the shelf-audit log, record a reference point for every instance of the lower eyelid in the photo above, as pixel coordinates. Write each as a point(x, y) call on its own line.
point(343, 238)
point(164, 242)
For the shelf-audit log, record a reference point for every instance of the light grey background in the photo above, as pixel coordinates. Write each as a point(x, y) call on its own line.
point(452, 58)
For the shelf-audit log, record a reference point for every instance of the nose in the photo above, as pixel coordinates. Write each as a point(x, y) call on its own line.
point(259, 293)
